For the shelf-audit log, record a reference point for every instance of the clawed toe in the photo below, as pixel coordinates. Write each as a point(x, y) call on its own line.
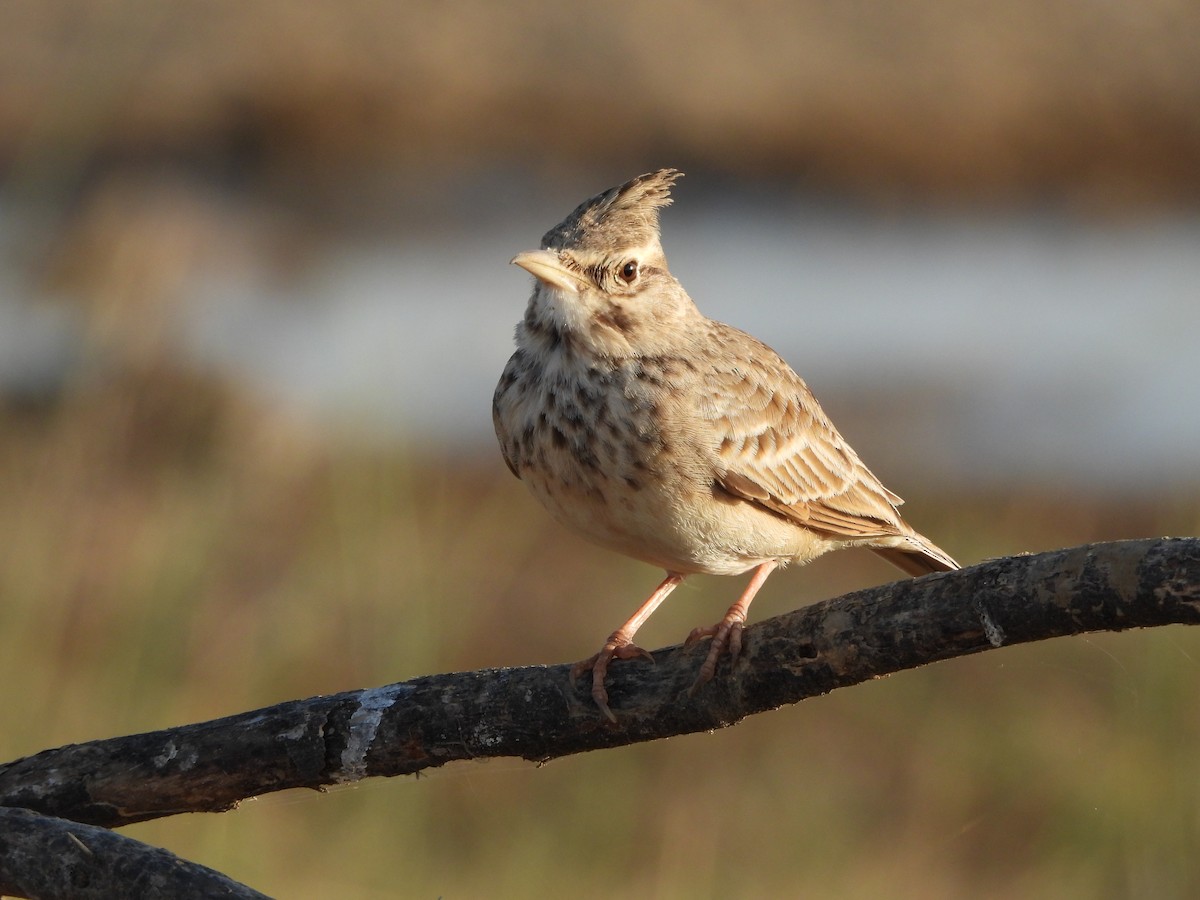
point(726, 638)
point(597, 664)
point(727, 634)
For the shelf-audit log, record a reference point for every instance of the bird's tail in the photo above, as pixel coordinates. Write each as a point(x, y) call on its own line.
point(918, 556)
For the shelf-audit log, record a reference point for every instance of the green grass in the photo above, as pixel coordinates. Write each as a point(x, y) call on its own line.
point(172, 556)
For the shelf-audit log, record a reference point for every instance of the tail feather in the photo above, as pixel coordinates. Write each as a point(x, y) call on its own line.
point(918, 557)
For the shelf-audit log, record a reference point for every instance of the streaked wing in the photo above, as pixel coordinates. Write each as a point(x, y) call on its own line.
point(779, 450)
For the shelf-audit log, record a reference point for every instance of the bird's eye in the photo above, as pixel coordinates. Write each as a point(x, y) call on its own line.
point(629, 271)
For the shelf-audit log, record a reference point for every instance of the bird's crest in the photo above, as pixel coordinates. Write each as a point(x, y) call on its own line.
point(625, 216)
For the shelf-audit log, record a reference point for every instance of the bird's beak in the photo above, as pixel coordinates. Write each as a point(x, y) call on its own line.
point(546, 268)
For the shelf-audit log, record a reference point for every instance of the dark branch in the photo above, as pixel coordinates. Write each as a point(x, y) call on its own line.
point(41, 856)
point(533, 712)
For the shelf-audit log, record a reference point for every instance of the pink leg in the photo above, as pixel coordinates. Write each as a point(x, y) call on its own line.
point(728, 632)
point(620, 645)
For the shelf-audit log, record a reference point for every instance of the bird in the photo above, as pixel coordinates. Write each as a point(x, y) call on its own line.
point(655, 431)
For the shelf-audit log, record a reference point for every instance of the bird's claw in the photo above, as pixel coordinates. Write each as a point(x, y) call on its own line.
point(597, 664)
point(726, 637)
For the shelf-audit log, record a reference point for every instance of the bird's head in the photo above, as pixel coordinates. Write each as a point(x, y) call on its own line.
point(601, 274)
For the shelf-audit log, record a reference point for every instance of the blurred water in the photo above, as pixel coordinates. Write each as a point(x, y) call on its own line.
point(1026, 347)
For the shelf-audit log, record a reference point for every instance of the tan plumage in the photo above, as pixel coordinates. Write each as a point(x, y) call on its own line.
point(780, 451)
point(670, 437)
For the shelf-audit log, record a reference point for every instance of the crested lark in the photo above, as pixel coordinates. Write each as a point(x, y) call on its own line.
point(677, 440)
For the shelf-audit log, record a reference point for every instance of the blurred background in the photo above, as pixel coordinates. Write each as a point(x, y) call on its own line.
point(254, 299)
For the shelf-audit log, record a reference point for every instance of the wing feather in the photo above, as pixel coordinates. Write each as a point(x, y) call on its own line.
point(779, 449)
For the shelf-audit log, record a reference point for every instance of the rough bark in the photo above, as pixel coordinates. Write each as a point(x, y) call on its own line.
point(41, 856)
point(534, 713)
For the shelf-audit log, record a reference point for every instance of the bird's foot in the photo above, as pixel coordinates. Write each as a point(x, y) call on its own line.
point(726, 638)
point(616, 647)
